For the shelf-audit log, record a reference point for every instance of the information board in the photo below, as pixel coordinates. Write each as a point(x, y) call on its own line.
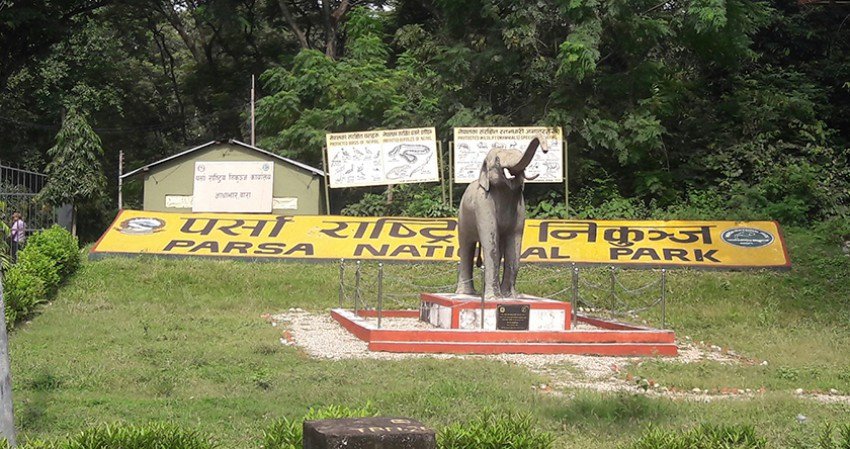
point(472, 144)
point(371, 158)
point(233, 186)
point(696, 244)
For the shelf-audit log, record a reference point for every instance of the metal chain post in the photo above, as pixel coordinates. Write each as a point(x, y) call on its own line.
point(575, 295)
point(483, 289)
point(357, 288)
point(613, 289)
point(341, 281)
point(380, 293)
point(663, 298)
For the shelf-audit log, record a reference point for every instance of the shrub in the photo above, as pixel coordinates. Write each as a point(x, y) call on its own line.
point(22, 292)
point(288, 434)
point(495, 432)
point(702, 437)
point(58, 244)
point(124, 436)
point(39, 264)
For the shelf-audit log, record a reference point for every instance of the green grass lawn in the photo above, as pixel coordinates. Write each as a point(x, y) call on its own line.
point(148, 339)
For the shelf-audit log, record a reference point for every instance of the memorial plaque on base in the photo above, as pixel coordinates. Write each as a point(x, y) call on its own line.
point(512, 317)
point(368, 433)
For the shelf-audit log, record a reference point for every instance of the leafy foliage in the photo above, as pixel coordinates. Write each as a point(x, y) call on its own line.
point(49, 257)
point(741, 101)
point(129, 436)
point(39, 264)
point(702, 437)
point(60, 246)
point(492, 431)
point(22, 291)
point(74, 174)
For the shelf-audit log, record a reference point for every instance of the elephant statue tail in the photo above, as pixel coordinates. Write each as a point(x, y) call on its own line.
point(479, 261)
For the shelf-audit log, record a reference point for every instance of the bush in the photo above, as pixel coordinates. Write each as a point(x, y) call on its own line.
point(495, 432)
point(702, 437)
point(123, 436)
point(36, 263)
point(22, 292)
point(288, 434)
point(59, 245)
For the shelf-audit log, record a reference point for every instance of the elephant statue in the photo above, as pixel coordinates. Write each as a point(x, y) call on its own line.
point(492, 217)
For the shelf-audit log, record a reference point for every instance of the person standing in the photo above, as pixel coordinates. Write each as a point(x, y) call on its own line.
point(19, 235)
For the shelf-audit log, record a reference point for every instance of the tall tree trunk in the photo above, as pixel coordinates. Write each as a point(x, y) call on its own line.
point(332, 21)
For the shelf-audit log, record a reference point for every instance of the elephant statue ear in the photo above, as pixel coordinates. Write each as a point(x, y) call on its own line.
point(484, 177)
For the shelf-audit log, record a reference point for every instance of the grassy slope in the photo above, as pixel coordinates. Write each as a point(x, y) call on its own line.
point(149, 339)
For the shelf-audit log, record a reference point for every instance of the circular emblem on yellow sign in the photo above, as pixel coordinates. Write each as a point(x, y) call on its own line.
point(141, 226)
point(747, 237)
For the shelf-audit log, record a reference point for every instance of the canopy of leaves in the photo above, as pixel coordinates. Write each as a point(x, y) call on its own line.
point(667, 106)
point(74, 174)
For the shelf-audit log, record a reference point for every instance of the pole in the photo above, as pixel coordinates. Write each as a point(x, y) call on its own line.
point(120, 180)
point(380, 293)
point(575, 295)
point(252, 111)
point(451, 172)
point(327, 181)
point(7, 413)
point(357, 288)
point(613, 289)
point(566, 178)
point(341, 281)
point(483, 289)
point(663, 298)
point(440, 165)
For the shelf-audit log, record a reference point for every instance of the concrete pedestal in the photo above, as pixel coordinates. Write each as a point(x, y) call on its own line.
point(453, 311)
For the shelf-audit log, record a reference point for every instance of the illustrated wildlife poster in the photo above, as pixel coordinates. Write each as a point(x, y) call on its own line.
point(371, 158)
point(471, 145)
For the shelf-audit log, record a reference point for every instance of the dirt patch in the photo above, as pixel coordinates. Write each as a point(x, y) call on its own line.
point(319, 336)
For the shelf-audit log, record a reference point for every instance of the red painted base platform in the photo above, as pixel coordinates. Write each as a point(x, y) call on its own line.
point(609, 339)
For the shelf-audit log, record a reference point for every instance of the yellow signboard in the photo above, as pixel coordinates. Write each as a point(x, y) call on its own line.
point(698, 244)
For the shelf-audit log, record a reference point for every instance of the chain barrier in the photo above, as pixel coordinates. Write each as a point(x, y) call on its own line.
point(375, 287)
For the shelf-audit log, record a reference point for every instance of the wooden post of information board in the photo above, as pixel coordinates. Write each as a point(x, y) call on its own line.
point(327, 181)
point(440, 171)
point(451, 172)
point(566, 178)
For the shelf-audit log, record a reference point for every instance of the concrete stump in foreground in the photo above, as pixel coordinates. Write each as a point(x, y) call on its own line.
point(368, 433)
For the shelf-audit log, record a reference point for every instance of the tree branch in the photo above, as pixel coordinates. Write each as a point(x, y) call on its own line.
point(299, 33)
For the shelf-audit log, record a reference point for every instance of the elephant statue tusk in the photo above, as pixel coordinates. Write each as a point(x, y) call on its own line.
point(508, 173)
point(530, 178)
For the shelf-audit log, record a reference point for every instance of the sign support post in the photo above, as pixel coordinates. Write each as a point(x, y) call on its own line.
point(451, 173)
point(440, 164)
point(327, 181)
point(566, 180)
point(120, 180)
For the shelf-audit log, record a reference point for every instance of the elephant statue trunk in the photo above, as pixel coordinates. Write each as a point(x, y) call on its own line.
point(519, 168)
point(491, 217)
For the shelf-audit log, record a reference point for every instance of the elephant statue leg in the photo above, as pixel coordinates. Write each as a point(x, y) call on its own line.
point(511, 251)
point(465, 285)
point(490, 252)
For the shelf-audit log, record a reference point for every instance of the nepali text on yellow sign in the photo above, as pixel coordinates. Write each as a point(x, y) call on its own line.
point(701, 244)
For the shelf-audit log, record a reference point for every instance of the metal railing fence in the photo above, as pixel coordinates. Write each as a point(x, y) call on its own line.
point(605, 291)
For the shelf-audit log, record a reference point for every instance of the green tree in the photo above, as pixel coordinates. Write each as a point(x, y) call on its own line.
point(74, 174)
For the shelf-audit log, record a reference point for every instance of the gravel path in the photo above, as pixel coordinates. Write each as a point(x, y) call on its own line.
point(321, 337)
